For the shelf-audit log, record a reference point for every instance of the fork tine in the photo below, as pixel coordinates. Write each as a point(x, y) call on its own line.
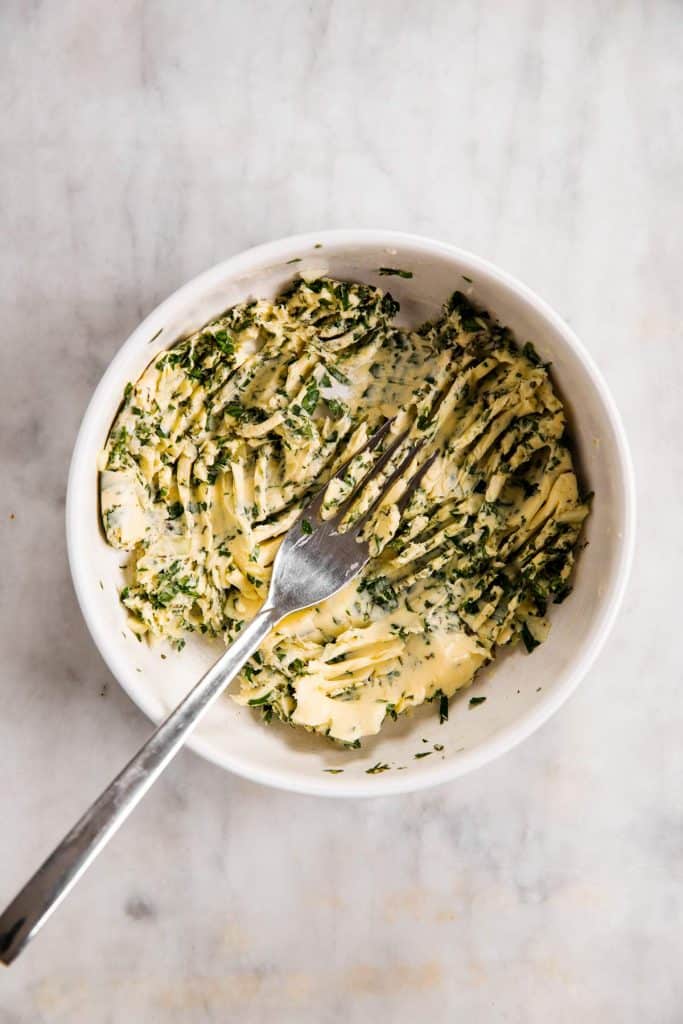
point(315, 505)
point(415, 482)
point(409, 490)
point(370, 475)
point(389, 483)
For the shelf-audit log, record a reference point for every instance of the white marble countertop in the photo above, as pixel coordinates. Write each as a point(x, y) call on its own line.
point(144, 142)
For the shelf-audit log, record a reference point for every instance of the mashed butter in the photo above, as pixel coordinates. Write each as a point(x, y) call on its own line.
point(224, 437)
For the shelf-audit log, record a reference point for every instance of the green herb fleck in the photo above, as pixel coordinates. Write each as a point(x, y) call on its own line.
point(310, 399)
point(381, 592)
point(562, 594)
point(236, 410)
point(530, 641)
point(224, 342)
point(256, 702)
point(394, 272)
point(338, 375)
point(532, 355)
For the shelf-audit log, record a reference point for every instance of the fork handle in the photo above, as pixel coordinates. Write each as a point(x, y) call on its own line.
point(42, 894)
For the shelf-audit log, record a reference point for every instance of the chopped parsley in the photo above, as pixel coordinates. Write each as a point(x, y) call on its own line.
point(310, 399)
point(381, 592)
point(531, 354)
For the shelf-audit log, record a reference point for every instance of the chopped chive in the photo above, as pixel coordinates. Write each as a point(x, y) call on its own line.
point(256, 702)
point(394, 272)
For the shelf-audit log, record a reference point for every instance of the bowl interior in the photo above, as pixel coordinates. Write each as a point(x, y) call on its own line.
point(521, 691)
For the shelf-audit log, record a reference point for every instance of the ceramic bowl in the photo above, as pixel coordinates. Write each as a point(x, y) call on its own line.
point(522, 691)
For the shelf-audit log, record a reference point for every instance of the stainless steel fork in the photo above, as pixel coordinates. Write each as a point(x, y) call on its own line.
point(317, 557)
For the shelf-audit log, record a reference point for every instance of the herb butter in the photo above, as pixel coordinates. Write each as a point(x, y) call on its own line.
point(223, 438)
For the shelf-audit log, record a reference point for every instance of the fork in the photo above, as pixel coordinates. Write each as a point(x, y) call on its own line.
point(317, 557)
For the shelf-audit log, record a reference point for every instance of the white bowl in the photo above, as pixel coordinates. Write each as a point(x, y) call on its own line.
point(522, 691)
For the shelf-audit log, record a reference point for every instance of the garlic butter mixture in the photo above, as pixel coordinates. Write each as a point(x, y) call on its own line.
point(225, 436)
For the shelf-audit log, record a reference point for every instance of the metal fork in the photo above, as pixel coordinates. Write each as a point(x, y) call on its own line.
point(317, 557)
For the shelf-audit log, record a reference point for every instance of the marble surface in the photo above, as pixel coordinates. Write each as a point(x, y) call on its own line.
point(142, 143)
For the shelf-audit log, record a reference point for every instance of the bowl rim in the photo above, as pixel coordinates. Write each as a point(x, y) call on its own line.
point(507, 738)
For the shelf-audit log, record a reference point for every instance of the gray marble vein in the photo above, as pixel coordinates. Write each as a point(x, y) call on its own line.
point(142, 142)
